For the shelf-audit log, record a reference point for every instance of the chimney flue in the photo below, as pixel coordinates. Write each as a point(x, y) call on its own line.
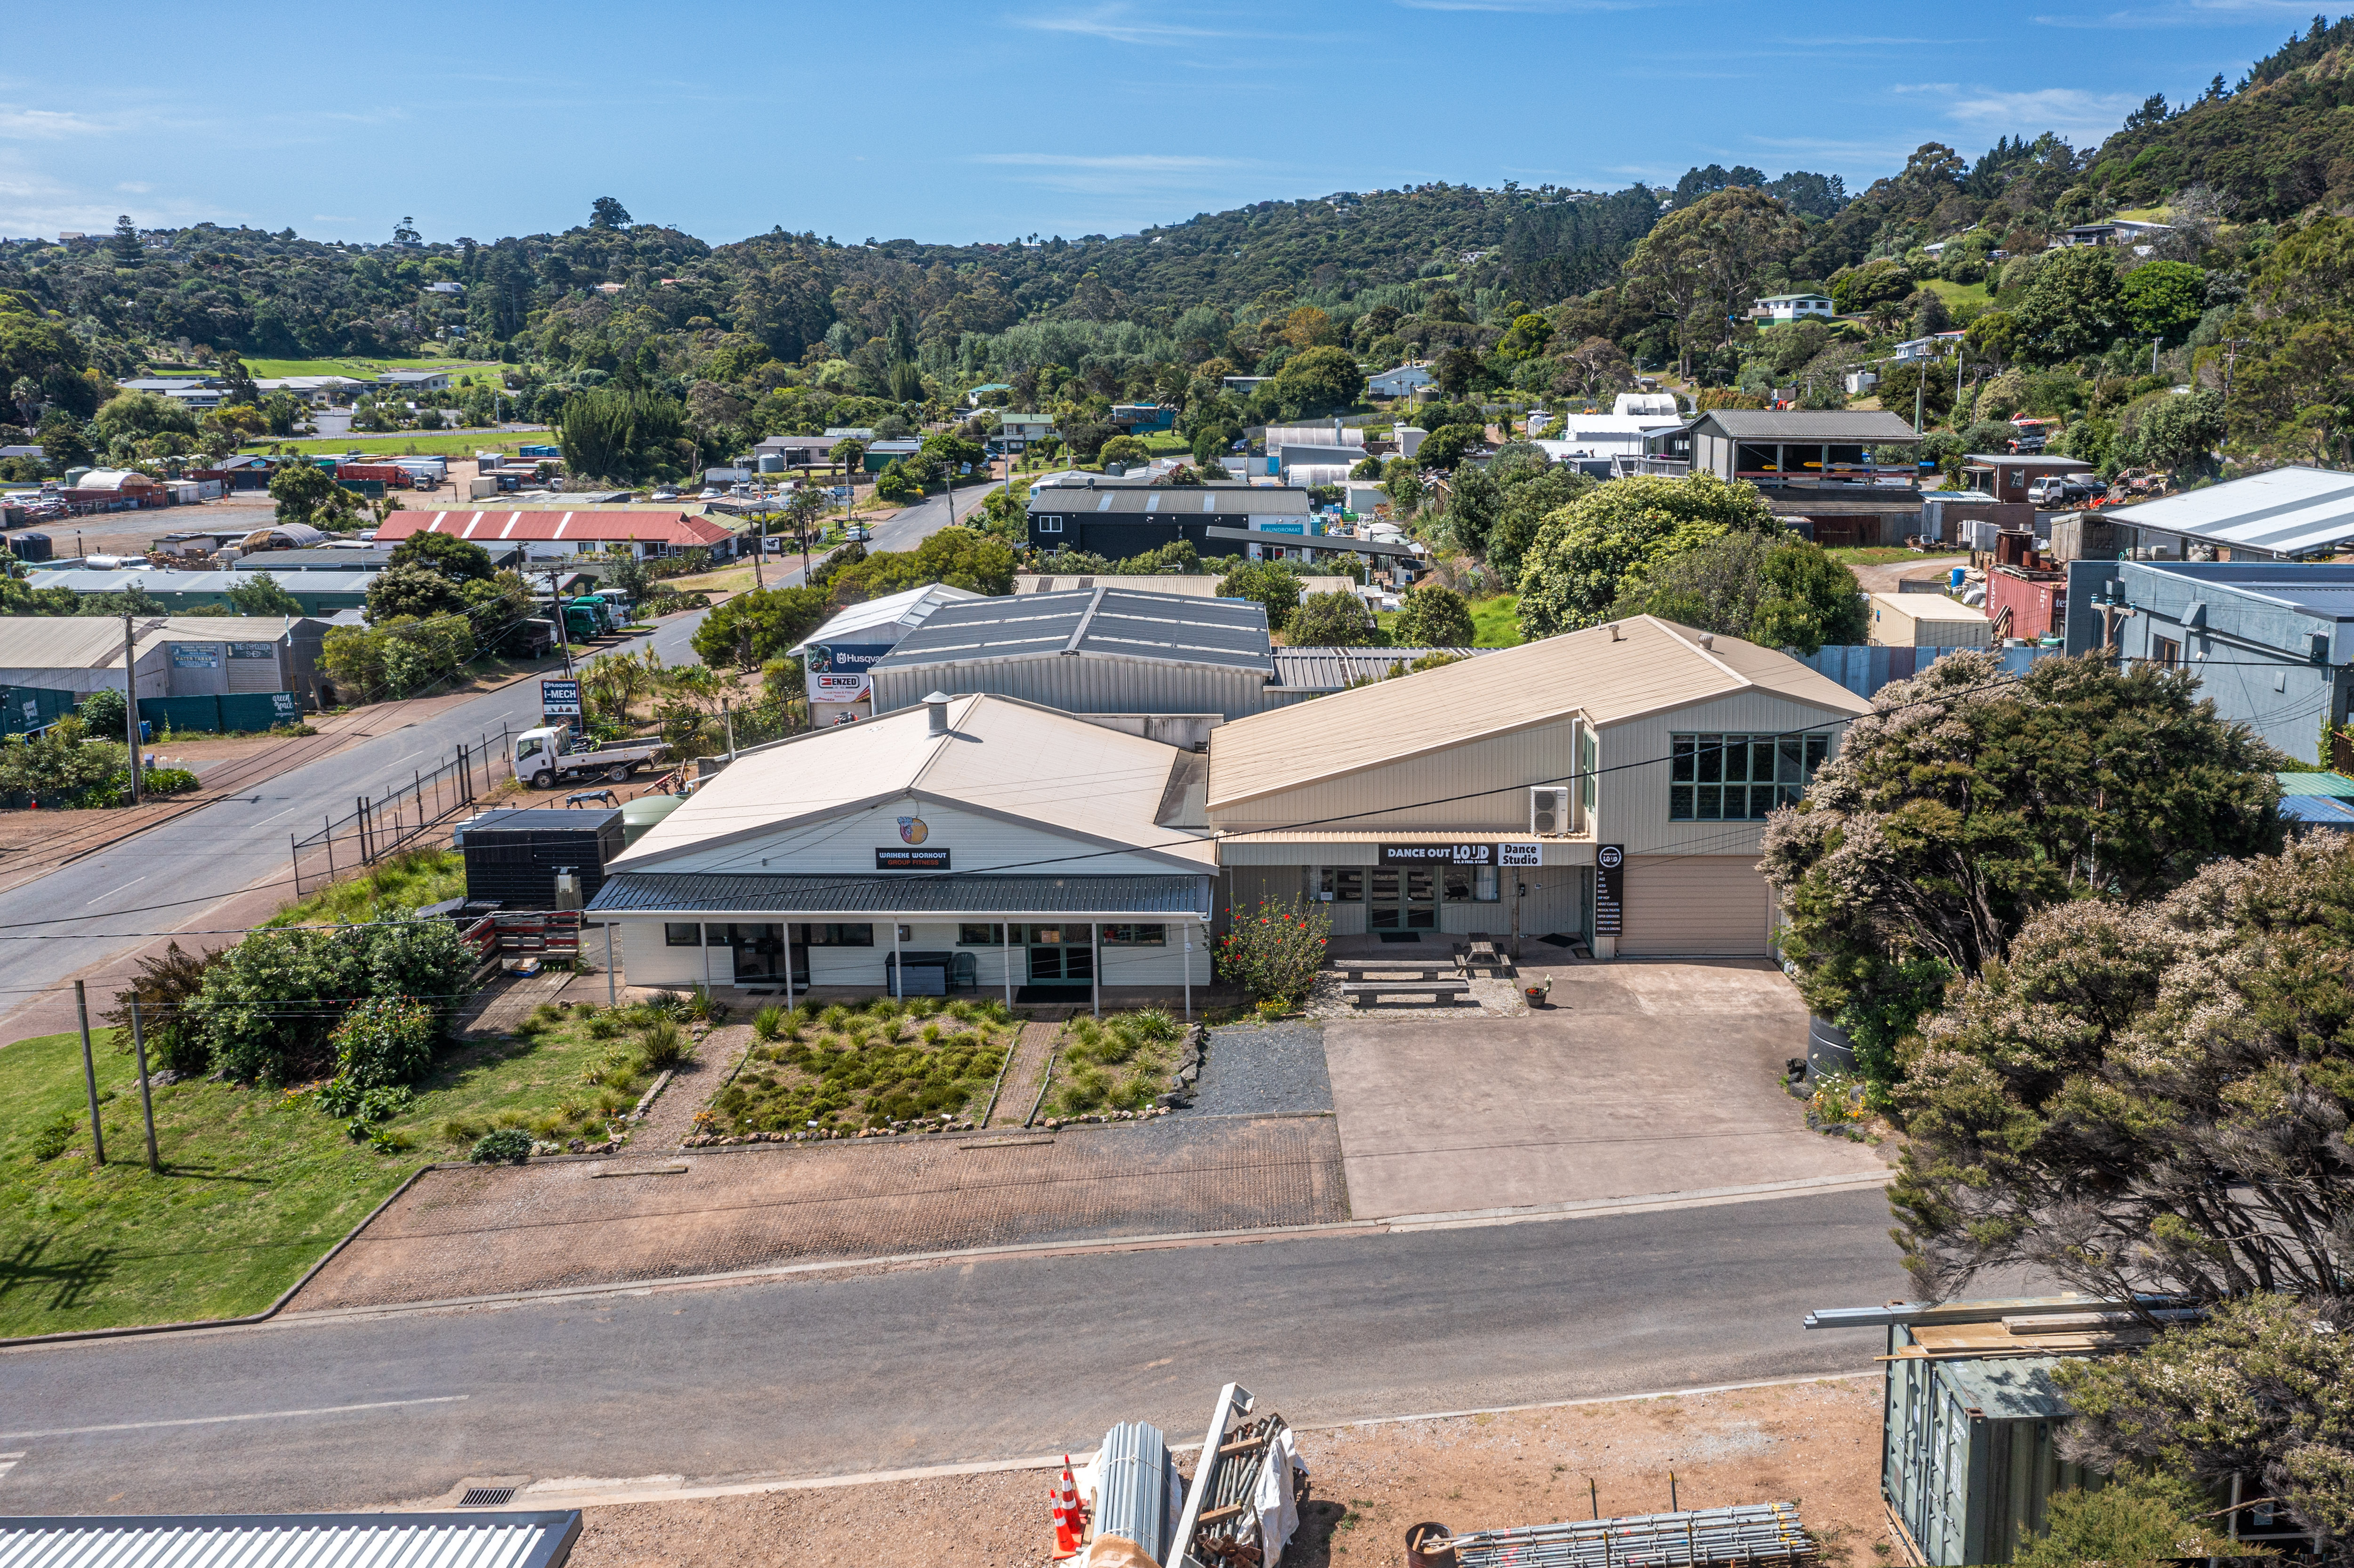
point(938, 705)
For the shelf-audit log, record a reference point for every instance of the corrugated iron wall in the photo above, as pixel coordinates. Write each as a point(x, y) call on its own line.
point(1864, 670)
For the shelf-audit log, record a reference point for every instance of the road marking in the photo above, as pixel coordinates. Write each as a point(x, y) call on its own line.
point(113, 891)
point(255, 1415)
point(9, 1461)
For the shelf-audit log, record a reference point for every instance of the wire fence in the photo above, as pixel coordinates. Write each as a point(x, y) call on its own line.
point(385, 824)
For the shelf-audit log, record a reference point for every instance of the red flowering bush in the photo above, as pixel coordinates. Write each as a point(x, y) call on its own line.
point(1274, 954)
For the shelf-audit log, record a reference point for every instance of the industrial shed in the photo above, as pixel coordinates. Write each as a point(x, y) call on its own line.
point(1611, 783)
point(1102, 651)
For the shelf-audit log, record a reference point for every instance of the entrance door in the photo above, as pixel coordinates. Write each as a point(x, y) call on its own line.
point(1061, 955)
point(1402, 899)
point(760, 952)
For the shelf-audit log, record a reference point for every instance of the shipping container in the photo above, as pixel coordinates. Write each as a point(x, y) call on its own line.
point(1926, 621)
point(512, 856)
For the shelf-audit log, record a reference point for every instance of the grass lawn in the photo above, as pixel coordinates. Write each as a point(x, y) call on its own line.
point(405, 881)
point(1494, 622)
point(257, 1183)
point(413, 444)
point(366, 369)
point(1872, 554)
point(1956, 293)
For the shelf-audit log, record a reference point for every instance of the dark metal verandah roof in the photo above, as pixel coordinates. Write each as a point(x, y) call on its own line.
point(910, 893)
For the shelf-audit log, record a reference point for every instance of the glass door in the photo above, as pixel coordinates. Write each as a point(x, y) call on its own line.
point(760, 952)
point(1061, 955)
point(1402, 900)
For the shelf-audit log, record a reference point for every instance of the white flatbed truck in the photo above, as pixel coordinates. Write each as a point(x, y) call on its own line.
point(545, 757)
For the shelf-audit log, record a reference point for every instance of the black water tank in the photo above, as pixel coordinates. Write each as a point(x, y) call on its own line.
point(32, 547)
point(512, 856)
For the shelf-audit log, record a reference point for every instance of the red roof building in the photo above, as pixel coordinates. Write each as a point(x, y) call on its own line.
point(550, 534)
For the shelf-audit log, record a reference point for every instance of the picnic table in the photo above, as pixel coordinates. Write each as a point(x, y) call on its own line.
point(1479, 953)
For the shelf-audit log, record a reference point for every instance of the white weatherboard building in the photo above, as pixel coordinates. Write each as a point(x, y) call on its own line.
point(968, 844)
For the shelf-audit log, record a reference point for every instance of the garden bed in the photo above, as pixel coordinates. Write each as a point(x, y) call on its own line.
point(842, 1069)
point(1120, 1063)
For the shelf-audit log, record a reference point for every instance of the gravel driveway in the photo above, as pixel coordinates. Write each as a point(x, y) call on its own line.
point(1263, 1069)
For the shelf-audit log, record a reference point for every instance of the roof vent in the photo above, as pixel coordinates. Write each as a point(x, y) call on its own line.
point(938, 705)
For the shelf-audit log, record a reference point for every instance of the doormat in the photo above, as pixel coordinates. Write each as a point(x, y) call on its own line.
point(1038, 993)
point(1399, 936)
point(1558, 940)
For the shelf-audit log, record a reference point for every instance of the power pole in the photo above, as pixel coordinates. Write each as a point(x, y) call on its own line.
point(563, 638)
point(131, 710)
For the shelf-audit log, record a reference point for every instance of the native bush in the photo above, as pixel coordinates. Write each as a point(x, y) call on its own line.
point(267, 1008)
point(508, 1143)
point(385, 1040)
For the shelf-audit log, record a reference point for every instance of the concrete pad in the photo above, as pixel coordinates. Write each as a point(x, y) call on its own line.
point(1641, 1077)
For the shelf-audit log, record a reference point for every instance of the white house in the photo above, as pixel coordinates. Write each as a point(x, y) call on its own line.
point(1775, 309)
point(1404, 381)
point(973, 843)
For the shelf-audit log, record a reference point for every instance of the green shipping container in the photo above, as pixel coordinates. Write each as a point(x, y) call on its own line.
point(28, 708)
point(242, 713)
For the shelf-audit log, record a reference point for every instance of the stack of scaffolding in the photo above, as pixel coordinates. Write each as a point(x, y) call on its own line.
point(1752, 1532)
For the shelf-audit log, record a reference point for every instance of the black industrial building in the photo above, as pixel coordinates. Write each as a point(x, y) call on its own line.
point(1116, 520)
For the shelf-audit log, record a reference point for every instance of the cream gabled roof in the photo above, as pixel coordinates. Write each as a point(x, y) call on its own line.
point(1000, 757)
point(1653, 665)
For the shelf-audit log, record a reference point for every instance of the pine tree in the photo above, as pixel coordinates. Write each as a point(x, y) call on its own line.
point(128, 251)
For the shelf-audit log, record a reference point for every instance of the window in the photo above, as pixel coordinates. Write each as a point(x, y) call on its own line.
point(676, 933)
point(842, 936)
point(1136, 935)
point(1343, 885)
point(980, 935)
point(1050, 525)
point(1739, 777)
point(2164, 652)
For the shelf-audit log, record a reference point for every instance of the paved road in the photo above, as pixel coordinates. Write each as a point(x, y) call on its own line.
point(981, 1360)
point(106, 906)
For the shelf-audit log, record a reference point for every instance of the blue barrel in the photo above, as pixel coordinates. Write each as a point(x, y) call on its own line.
point(1960, 576)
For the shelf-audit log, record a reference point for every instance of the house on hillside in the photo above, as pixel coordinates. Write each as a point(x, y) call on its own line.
point(1403, 381)
point(413, 380)
point(1774, 310)
point(1819, 465)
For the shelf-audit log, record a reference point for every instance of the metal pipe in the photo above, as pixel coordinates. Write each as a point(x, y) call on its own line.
point(146, 1100)
point(613, 986)
point(90, 1075)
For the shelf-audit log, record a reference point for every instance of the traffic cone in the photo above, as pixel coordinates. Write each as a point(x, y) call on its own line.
point(1067, 1515)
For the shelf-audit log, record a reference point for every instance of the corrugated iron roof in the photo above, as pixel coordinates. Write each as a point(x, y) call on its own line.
point(916, 892)
point(293, 1541)
point(2336, 784)
point(1106, 620)
point(1176, 501)
point(1331, 669)
point(1609, 673)
point(891, 614)
point(1843, 425)
point(2320, 811)
point(1203, 585)
point(2288, 512)
point(585, 524)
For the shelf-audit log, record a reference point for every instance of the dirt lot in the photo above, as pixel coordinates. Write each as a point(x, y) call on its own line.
point(1816, 1442)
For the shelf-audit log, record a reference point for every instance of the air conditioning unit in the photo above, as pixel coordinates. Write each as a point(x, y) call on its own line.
point(1549, 812)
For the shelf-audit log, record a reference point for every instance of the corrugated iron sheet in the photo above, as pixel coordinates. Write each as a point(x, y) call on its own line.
point(293, 1541)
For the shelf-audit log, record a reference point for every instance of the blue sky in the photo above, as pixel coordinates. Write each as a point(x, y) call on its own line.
point(987, 121)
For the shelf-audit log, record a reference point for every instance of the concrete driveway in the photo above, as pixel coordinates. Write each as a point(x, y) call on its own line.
point(1642, 1078)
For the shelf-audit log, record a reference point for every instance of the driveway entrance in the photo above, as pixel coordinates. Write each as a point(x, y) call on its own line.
point(1642, 1078)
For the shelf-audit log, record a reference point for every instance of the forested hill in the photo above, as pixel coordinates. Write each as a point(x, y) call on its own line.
point(2280, 142)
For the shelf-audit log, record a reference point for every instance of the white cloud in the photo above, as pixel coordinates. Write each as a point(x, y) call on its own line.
point(1130, 161)
point(1925, 86)
point(136, 187)
point(47, 124)
point(1118, 24)
point(1527, 8)
point(1111, 175)
point(2071, 111)
point(2188, 13)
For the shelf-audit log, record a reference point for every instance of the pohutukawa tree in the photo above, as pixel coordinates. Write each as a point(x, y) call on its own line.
point(1970, 801)
point(2148, 1098)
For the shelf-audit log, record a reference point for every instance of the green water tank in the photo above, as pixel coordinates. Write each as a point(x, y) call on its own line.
point(640, 815)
